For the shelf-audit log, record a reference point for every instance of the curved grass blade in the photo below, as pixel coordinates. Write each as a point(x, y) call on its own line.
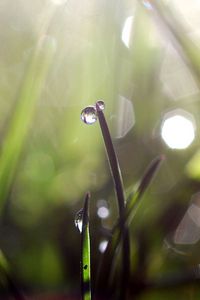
point(118, 183)
point(134, 198)
point(130, 210)
point(85, 252)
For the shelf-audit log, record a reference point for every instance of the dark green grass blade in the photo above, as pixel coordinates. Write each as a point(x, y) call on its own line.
point(131, 207)
point(85, 253)
point(118, 183)
point(113, 161)
point(134, 198)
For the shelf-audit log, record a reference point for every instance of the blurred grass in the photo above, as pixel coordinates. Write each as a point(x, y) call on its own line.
point(22, 117)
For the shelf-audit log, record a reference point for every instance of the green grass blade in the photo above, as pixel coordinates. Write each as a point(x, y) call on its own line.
point(118, 184)
point(131, 207)
point(85, 252)
point(30, 91)
point(134, 198)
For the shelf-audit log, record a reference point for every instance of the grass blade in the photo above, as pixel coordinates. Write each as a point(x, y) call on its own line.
point(131, 207)
point(118, 183)
point(85, 252)
point(134, 198)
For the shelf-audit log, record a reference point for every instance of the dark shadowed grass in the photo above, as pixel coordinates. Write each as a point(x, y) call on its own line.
point(9, 285)
point(133, 202)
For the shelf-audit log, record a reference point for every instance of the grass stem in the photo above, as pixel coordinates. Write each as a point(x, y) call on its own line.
point(118, 183)
point(85, 252)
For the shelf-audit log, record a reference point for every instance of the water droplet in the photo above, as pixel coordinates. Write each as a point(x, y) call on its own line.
point(79, 220)
point(101, 104)
point(89, 115)
point(85, 267)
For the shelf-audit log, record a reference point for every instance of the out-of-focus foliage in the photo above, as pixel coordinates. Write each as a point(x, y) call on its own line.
point(56, 57)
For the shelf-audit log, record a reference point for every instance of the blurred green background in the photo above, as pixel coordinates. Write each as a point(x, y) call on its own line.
point(57, 57)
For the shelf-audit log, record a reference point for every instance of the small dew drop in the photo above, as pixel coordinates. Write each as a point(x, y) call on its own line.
point(89, 115)
point(85, 267)
point(79, 220)
point(101, 104)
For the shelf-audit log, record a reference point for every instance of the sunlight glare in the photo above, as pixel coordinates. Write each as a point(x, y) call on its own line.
point(178, 131)
point(126, 32)
point(58, 2)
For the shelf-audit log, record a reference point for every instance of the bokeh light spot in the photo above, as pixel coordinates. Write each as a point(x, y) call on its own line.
point(103, 245)
point(103, 212)
point(178, 130)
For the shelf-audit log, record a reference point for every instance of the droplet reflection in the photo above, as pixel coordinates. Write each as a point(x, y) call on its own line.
point(89, 115)
point(79, 220)
point(101, 104)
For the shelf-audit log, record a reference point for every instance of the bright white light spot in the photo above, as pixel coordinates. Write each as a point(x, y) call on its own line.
point(58, 2)
point(126, 32)
point(178, 131)
point(103, 246)
point(103, 212)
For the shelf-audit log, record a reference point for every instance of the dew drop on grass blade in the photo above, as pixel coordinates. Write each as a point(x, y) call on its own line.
point(82, 223)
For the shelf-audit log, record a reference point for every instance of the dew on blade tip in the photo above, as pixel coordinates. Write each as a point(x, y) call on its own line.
point(79, 220)
point(101, 104)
